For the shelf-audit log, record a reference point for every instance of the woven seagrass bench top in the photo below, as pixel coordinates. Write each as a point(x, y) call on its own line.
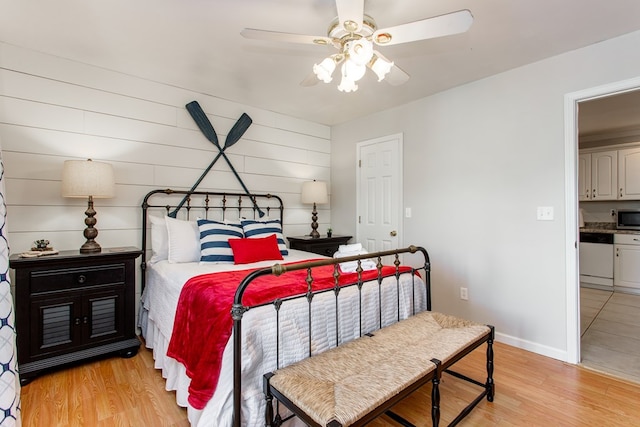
point(347, 382)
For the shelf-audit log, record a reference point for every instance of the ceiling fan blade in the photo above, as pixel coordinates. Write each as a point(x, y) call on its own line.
point(350, 13)
point(438, 26)
point(310, 80)
point(396, 76)
point(251, 33)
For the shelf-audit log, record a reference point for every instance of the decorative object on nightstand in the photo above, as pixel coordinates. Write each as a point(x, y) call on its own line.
point(326, 246)
point(86, 178)
point(73, 306)
point(329, 232)
point(314, 192)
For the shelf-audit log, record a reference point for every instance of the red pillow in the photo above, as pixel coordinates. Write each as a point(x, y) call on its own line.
point(246, 251)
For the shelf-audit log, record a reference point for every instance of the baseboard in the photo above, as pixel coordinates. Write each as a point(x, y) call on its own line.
point(543, 350)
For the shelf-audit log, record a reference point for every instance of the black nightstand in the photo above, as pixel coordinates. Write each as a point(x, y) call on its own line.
point(73, 306)
point(326, 246)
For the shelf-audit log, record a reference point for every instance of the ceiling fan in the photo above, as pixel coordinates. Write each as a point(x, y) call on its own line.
point(354, 34)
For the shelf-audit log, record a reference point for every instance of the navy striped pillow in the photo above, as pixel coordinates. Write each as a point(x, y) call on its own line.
point(253, 229)
point(214, 240)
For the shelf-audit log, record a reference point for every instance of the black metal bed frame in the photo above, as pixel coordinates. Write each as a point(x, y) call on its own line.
point(229, 204)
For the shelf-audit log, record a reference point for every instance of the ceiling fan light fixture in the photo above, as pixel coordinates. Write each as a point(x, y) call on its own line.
point(360, 51)
point(380, 66)
point(352, 70)
point(348, 83)
point(324, 70)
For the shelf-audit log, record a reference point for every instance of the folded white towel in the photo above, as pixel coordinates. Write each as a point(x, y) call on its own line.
point(352, 266)
point(350, 248)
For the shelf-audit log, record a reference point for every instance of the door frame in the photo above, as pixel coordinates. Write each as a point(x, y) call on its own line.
point(398, 137)
point(571, 101)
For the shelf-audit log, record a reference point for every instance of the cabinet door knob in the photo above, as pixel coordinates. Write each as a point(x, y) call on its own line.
point(82, 278)
point(394, 233)
point(77, 321)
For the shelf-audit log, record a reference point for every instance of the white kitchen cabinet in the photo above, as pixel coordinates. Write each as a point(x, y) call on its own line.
point(584, 176)
point(598, 175)
point(629, 174)
point(626, 265)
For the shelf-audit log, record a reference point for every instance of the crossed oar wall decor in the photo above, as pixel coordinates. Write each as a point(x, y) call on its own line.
point(236, 132)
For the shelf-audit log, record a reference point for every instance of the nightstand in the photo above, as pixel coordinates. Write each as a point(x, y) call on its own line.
point(72, 306)
point(326, 246)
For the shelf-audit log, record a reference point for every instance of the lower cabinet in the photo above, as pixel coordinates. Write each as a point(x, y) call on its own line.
point(626, 265)
point(71, 307)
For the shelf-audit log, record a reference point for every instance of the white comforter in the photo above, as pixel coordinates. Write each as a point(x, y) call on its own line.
point(160, 299)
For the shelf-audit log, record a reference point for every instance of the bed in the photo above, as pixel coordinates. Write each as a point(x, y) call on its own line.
point(274, 328)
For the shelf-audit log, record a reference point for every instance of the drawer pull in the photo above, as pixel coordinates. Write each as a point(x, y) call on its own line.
point(82, 278)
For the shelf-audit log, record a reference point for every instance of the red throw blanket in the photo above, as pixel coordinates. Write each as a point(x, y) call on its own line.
point(203, 321)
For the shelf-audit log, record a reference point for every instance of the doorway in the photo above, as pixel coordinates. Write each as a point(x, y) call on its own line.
point(572, 102)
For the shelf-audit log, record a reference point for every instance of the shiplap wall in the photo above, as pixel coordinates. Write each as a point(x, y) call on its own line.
point(53, 109)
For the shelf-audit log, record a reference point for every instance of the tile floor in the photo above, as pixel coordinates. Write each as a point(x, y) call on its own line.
point(610, 328)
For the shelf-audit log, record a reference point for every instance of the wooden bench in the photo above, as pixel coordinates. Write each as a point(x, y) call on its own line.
point(356, 382)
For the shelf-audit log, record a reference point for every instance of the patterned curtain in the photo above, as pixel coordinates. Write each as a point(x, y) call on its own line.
point(9, 380)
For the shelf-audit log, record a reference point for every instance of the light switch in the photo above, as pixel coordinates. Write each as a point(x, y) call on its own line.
point(407, 212)
point(545, 213)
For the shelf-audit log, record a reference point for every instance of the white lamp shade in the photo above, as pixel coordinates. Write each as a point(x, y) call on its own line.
point(325, 69)
point(84, 178)
point(314, 192)
point(381, 67)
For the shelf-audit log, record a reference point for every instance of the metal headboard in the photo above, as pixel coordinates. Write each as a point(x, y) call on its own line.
point(213, 205)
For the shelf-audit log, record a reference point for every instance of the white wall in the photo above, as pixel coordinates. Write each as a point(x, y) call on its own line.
point(52, 109)
point(478, 161)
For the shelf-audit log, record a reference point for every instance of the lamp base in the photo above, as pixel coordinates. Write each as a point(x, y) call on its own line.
point(90, 233)
point(90, 247)
point(314, 223)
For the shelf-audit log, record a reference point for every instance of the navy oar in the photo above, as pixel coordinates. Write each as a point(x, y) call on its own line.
point(236, 132)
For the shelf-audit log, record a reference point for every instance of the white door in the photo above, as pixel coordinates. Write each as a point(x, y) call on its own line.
point(379, 193)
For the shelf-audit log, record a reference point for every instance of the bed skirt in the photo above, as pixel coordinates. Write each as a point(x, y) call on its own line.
point(173, 372)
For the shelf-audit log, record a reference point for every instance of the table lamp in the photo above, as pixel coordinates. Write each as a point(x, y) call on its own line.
point(86, 178)
point(314, 192)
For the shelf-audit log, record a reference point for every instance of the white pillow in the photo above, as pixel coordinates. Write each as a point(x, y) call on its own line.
point(184, 240)
point(256, 229)
point(159, 239)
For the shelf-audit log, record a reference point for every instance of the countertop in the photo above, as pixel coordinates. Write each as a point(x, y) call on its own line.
point(605, 227)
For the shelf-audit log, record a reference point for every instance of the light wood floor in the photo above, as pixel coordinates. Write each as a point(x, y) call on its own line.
point(610, 325)
point(531, 390)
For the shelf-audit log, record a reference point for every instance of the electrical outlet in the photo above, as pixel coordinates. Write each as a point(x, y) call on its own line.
point(464, 294)
point(613, 212)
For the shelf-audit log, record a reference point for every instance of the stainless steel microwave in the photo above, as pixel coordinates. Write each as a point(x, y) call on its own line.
point(628, 219)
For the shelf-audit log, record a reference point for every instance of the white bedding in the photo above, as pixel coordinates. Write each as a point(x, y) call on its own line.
point(160, 299)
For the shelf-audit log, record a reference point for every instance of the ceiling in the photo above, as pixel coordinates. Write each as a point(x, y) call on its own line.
point(196, 44)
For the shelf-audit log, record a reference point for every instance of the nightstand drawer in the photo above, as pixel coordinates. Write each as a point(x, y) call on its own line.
point(73, 278)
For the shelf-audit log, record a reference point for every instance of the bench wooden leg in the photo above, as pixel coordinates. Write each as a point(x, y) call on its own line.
point(490, 386)
point(435, 394)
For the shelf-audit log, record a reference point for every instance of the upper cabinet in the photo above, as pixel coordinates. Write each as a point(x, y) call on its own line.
point(598, 175)
point(629, 174)
point(613, 174)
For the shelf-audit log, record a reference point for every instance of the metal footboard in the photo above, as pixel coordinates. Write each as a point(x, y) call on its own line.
point(239, 308)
